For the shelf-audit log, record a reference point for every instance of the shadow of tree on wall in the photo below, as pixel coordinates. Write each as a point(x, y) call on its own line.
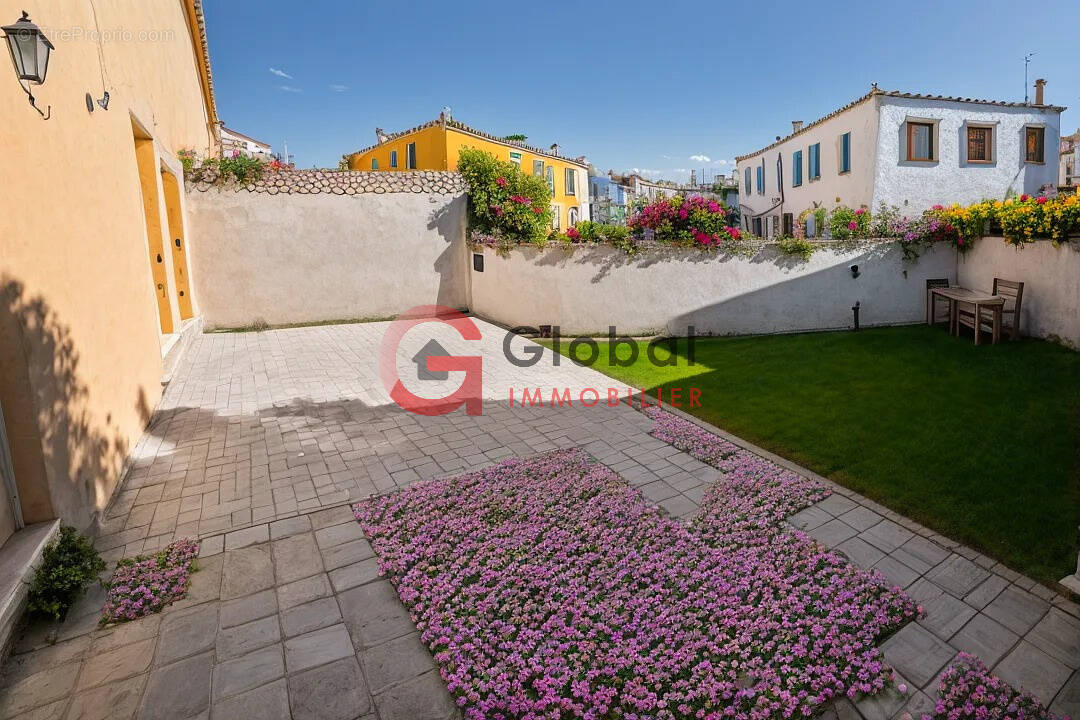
point(449, 222)
point(80, 454)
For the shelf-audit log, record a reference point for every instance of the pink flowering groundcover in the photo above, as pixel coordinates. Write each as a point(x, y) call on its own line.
point(548, 588)
point(147, 583)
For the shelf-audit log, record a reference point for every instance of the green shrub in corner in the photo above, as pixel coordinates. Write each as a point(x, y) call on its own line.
point(68, 565)
point(504, 203)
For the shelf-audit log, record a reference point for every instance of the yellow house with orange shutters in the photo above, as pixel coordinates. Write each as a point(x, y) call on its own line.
point(435, 146)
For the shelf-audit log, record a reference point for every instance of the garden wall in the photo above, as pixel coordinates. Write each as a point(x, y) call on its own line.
point(1050, 306)
point(300, 247)
point(671, 289)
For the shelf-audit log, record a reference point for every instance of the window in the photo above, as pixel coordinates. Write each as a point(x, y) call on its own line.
point(555, 212)
point(789, 224)
point(761, 180)
point(410, 156)
point(796, 168)
point(757, 226)
point(1034, 142)
point(374, 163)
point(746, 185)
point(845, 153)
point(920, 142)
point(811, 230)
point(393, 158)
point(569, 181)
point(814, 161)
point(515, 157)
point(979, 144)
point(572, 216)
point(538, 167)
point(551, 180)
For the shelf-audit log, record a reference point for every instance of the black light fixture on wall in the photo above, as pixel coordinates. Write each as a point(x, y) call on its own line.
point(30, 51)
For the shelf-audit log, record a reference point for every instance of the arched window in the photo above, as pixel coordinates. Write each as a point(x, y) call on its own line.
point(572, 217)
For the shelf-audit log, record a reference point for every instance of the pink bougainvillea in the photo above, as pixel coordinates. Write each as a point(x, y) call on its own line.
point(146, 584)
point(548, 588)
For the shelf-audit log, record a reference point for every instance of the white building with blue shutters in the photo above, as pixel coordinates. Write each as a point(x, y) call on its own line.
point(903, 149)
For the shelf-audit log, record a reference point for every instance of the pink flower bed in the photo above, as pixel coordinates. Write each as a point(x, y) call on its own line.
point(145, 584)
point(548, 588)
point(970, 692)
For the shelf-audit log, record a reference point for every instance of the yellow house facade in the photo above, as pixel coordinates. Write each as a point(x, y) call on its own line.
point(435, 146)
point(94, 281)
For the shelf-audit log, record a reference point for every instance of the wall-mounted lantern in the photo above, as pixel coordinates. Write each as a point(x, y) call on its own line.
point(30, 51)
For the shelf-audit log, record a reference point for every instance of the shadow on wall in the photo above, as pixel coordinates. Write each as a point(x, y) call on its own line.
point(64, 460)
point(449, 222)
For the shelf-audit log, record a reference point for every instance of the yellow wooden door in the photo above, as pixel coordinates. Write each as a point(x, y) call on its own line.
point(179, 246)
point(147, 162)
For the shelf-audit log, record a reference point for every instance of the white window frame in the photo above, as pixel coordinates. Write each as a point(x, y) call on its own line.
point(569, 181)
point(393, 159)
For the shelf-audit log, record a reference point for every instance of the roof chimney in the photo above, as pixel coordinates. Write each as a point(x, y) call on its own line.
point(554, 148)
point(796, 126)
point(1039, 85)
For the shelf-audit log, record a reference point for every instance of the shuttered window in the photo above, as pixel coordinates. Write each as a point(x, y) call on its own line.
point(393, 158)
point(761, 180)
point(845, 153)
point(551, 180)
point(746, 187)
point(410, 156)
point(815, 161)
point(796, 168)
point(374, 163)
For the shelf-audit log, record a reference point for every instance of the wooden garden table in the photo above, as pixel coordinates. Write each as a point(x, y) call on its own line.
point(957, 296)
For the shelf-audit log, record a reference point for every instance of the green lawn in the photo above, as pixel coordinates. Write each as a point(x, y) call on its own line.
point(979, 443)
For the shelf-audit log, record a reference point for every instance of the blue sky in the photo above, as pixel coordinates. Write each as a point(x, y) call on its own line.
point(662, 87)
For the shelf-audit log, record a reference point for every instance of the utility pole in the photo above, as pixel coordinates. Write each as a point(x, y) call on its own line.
point(1027, 61)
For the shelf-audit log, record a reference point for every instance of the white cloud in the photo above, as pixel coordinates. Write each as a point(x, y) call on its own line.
point(290, 88)
point(339, 88)
point(281, 73)
point(700, 158)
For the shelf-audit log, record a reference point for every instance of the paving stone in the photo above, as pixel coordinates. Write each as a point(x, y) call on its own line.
point(290, 526)
point(332, 516)
point(917, 654)
point(985, 593)
point(1067, 701)
point(211, 546)
point(1058, 635)
point(123, 662)
point(860, 552)
point(52, 711)
point(186, 633)
point(347, 554)
point(296, 557)
point(115, 701)
point(837, 505)
point(250, 607)
point(957, 575)
point(247, 571)
point(317, 648)
point(945, 615)
point(861, 518)
point(248, 536)
point(359, 573)
point(338, 534)
point(26, 664)
point(310, 616)
point(885, 704)
point(269, 702)
point(374, 614)
point(918, 705)
point(395, 661)
point(178, 691)
point(897, 572)
point(242, 639)
point(423, 698)
point(38, 689)
point(887, 536)
point(1030, 668)
point(679, 506)
point(335, 691)
point(248, 671)
point(302, 591)
point(1017, 609)
point(809, 518)
point(985, 638)
point(205, 584)
point(925, 550)
point(832, 533)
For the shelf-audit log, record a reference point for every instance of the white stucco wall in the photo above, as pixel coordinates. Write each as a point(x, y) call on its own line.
point(294, 258)
point(1050, 307)
point(916, 186)
point(668, 290)
point(852, 188)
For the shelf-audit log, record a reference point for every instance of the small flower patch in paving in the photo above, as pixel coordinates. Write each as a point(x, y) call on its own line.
point(548, 588)
point(147, 583)
point(970, 692)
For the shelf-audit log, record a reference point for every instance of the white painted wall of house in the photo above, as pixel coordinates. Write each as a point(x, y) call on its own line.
point(852, 189)
point(668, 290)
point(915, 187)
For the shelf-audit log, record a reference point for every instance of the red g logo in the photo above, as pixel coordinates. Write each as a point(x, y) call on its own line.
point(433, 363)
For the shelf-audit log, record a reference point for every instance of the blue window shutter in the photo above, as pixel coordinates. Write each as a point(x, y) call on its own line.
point(845, 152)
point(796, 168)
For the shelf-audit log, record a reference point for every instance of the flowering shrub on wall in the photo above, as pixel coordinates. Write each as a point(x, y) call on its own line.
point(1021, 220)
point(145, 584)
point(506, 206)
point(686, 221)
point(846, 224)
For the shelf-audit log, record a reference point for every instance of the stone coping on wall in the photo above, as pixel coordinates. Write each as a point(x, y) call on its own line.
point(347, 182)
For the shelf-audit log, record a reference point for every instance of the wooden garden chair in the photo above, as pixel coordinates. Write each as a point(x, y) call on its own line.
point(936, 283)
point(1013, 294)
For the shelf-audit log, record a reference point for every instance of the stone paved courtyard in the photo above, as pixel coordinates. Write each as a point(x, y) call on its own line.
point(262, 440)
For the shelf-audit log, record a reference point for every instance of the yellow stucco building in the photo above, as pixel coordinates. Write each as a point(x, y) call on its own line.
point(435, 146)
point(94, 286)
